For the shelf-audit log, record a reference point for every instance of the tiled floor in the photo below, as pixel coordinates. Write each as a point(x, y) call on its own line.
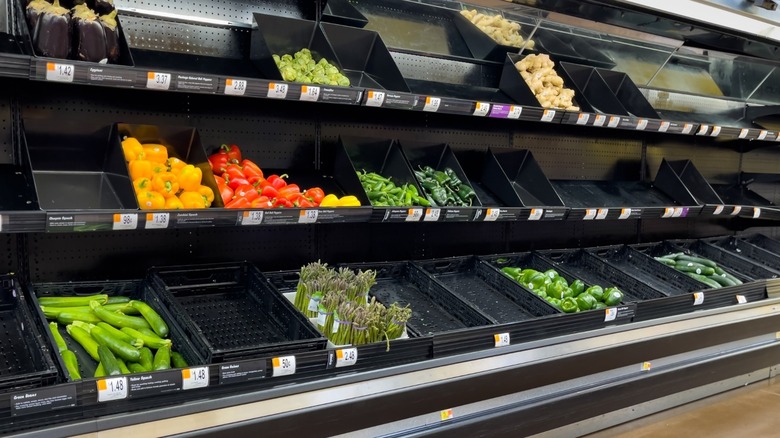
point(751, 411)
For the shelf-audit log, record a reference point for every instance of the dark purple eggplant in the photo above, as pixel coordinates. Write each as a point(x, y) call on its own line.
point(111, 31)
point(102, 7)
point(89, 40)
point(33, 11)
point(52, 32)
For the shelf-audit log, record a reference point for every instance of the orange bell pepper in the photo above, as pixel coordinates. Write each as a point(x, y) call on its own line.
point(140, 169)
point(156, 153)
point(173, 203)
point(192, 200)
point(142, 185)
point(175, 165)
point(132, 149)
point(207, 194)
point(190, 178)
point(149, 200)
point(166, 184)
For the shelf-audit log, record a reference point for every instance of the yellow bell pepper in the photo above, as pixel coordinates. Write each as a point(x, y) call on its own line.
point(149, 200)
point(349, 201)
point(142, 185)
point(156, 153)
point(173, 203)
point(192, 200)
point(330, 201)
point(190, 178)
point(132, 149)
point(166, 184)
point(175, 165)
point(207, 194)
point(140, 169)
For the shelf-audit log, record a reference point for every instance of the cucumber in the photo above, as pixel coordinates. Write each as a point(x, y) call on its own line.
point(72, 301)
point(99, 371)
point(674, 255)
point(122, 366)
point(61, 345)
point(146, 358)
point(162, 359)
point(153, 318)
point(85, 340)
point(136, 368)
point(117, 299)
point(65, 318)
point(120, 335)
point(71, 363)
point(699, 260)
point(700, 270)
point(736, 280)
point(119, 348)
point(149, 339)
point(177, 360)
point(109, 362)
point(719, 271)
point(711, 283)
point(118, 319)
point(721, 280)
point(667, 262)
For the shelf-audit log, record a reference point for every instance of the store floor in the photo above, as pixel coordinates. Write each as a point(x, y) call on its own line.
point(750, 411)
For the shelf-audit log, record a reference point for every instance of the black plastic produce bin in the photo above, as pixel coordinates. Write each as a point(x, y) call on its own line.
point(135, 289)
point(26, 361)
point(745, 249)
point(628, 94)
point(77, 165)
point(740, 267)
point(764, 242)
point(230, 313)
point(514, 86)
point(343, 12)
point(590, 88)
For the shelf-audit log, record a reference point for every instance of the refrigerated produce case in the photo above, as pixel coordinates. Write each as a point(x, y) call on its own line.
point(671, 152)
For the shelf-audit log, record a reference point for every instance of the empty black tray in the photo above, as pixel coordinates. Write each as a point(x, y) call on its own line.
point(743, 248)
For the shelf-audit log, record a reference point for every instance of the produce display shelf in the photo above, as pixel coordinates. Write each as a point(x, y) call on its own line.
point(764, 242)
point(742, 268)
point(745, 249)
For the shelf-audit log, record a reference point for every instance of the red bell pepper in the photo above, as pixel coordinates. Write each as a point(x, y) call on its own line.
point(218, 163)
point(261, 202)
point(270, 192)
point(247, 191)
point(234, 171)
point(232, 151)
point(277, 181)
point(251, 169)
point(282, 203)
point(304, 203)
point(239, 203)
point(224, 191)
point(258, 181)
point(315, 194)
point(290, 191)
point(235, 183)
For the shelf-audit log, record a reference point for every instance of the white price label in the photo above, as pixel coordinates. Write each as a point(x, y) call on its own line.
point(375, 98)
point(346, 357)
point(678, 211)
point(283, 366)
point(548, 115)
point(687, 128)
point(641, 124)
point(414, 214)
point(157, 220)
point(432, 104)
point(590, 214)
point(158, 81)
point(60, 72)
point(718, 210)
point(664, 127)
point(610, 314)
point(602, 213)
point(310, 93)
point(599, 120)
point(1, 222)
point(756, 212)
point(252, 218)
point(625, 213)
point(446, 414)
point(432, 214)
point(762, 135)
point(125, 221)
point(235, 87)
point(741, 299)
point(703, 129)
point(277, 90)
point(492, 214)
point(582, 119)
point(715, 131)
point(192, 378)
point(614, 121)
point(646, 366)
point(481, 109)
point(698, 298)
point(501, 339)
point(308, 216)
point(668, 212)
point(322, 318)
point(736, 210)
point(514, 112)
point(743, 132)
point(112, 389)
point(536, 214)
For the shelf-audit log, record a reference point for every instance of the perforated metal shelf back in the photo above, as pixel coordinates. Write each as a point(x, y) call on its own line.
point(237, 11)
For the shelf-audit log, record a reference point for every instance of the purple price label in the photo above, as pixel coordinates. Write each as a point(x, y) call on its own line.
point(684, 212)
point(500, 111)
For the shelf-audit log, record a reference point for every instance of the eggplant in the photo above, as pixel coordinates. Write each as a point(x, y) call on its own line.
point(52, 32)
point(102, 7)
point(33, 10)
point(89, 40)
point(111, 32)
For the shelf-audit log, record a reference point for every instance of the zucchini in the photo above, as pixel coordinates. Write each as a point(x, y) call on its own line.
point(65, 318)
point(711, 283)
point(721, 280)
point(118, 347)
point(109, 362)
point(118, 319)
point(177, 360)
point(117, 299)
point(162, 359)
point(146, 358)
point(84, 325)
point(51, 312)
point(122, 366)
point(55, 332)
point(125, 308)
point(120, 335)
point(699, 260)
point(700, 270)
point(100, 371)
point(149, 339)
point(85, 340)
point(153, 318)
point(136, 368)
point(71, 363)
point(72, 301)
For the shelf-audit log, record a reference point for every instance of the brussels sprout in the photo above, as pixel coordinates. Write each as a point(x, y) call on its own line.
point(289, 74)
point(287, 58)
point(277, 59)
point(344, 81)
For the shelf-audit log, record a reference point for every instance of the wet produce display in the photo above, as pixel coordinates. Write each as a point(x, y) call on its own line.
point(568, 297)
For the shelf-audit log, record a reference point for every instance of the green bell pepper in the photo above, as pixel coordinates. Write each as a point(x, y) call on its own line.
point(567, 293)
point(569, 305)
point(514, 273)
point(527, 274)
point(552, 274)
point(596, 292)
point(554, 301)
point(600, 306)
point(537, 281)
point(555, 290)
point(613, 296)
point(585, 301)
point(577, 287)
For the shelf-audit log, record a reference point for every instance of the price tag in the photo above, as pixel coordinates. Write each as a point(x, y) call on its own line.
point(432, 214)
point(501, 339)
point(664, 127)
point(446, 414)
point(668, 212)
point(590, 214)
point(687, 128)
point(582, 119)
point(703, 129)
point(308, 216)
point(614, 121)
point(599, 120)
point(192, 378)
point(346, 357)
point(698, 298)
point(1, 222)
point(536, 214)
point(646, 366)
point(60, 72)
point(741, 299)
point(432, 104)
point(756, 212)
point(602, 213)
point(235, 87)
point(736, 210)
point(158, 81)
point(157, 220)
point(743, 132)
point(112, 389)
point(277, 91)
point(252, 218)
point(677, 212)
point(514, 112)
point(641, 124)
point(625, 213)
point(283, 366)
point(375, 98)
point(481, 109)
point(310, 93)
point(610, 314)
point(548, 115)
point(718, 210)
point(125, 221)
point(762, 135)
point(715, 131)
point(492, 214)
point(414, 214)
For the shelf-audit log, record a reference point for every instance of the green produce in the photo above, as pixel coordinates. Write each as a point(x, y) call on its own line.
point(100, 371)
point(118, 299)
point(155, 321)
point(71, 363)
point(596, 292)
point(118, 319)
point(178, 360)
point(146, 358)
point(72, 301)
point(703, 270)
point(612, 296)
point(569, 305)
point(586, 301)
point(162, 359)
point(444, 188)
point(151, 340)
point(136, 367)
point(61, 346)
point(109, 362)
point(51, 312)
point(66, 318)
point(118, 347)
point(382, 192)
point(122, 336)
point(577, 287)
point(84, 339)
point(122, 366)
point(301, 67)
